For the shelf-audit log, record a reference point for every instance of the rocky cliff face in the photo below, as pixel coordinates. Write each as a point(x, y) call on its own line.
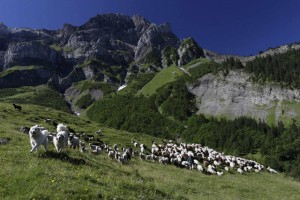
point(26, 53)
point(104, 41)
point(234, 95)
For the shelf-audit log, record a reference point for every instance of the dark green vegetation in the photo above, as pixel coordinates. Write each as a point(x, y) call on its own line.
point(135, 114)
point(175, 100)
point(86, 87)
point(84, 101)
point(170, 56)
point(202, 69)
point(284, 68)
point(152, 58)
point(232, 63)
point(279, 146)
point(136, 82)
point(40, 95)
point(106, 88)
point(102, 69)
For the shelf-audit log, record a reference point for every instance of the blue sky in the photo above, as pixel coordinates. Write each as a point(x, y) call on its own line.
point(227, 26)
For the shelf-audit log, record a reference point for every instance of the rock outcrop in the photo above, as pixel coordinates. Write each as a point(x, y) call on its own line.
point(188, 51)
point(27, 53)
point(235, 95)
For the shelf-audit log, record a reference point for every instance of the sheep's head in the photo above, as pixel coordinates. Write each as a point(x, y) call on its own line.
point(61, 127)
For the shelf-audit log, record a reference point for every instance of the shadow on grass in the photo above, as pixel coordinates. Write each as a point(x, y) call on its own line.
point(63, 157)
point(4, 140)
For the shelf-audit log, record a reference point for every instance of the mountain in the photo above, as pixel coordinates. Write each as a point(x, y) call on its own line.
point(106, 48)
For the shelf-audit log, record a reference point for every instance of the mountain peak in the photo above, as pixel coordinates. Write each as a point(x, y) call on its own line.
point(112, 20)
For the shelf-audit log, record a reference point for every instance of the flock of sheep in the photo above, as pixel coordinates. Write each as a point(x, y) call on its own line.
point(190, 156)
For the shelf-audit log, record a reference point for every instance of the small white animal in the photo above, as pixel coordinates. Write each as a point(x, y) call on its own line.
point(61, 127)
point(73, 142)
point(59, 141)
point(219, 173)
point(38, 136)
point(200, 168)
point(239, 170)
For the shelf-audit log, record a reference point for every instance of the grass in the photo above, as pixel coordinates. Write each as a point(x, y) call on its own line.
point(165, 76)
point(271, 118)
point(290, 106)
point(19, 68)
point(286, 108)
point(95, 85)
point(40, 95)
point(56, 47)
point(196, 61)
point(72, 175)
point(137, 83)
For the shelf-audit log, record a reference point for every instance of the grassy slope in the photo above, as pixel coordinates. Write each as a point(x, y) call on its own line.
point(40, 95)
point(196, 62)
point(288, 111)
point(73, 175)
point(165, 76)
point(19, 68)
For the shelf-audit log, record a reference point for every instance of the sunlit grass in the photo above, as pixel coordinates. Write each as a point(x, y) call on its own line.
point(73, 175)
point(165, 76)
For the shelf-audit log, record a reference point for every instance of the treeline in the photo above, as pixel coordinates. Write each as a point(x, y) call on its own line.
point(135, 114)
point(201, 70)
point(279, 67)
point(280, 146)
point(175, 100)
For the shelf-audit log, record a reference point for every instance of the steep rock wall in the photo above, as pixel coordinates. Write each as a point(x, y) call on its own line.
point(235, 95)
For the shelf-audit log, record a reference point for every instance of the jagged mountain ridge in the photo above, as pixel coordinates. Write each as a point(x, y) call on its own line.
point(74, 53)
point(218, 57)
point(108, 47)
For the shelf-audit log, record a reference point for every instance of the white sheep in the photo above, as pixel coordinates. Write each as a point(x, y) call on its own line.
point(95, 149)
point(149, 158)
point(239, 170)
point(163, 160)
point(142, 156)
point(271, 170)
point(111, 154)
point(61, 127)
point(142, 148)
point(121, 159)
point(219, 173)
point(200, 168)
point(73, 142)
